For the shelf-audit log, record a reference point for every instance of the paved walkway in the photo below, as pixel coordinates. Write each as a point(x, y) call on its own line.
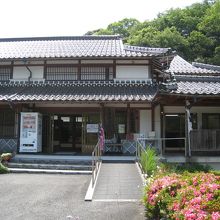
point(118, 182)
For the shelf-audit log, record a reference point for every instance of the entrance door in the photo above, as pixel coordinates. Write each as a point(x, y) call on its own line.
point(67, 133)
point(47, 133)
point(174, 128)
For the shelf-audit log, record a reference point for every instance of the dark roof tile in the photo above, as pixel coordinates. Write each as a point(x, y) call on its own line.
point(77, 92)
point(197, 88)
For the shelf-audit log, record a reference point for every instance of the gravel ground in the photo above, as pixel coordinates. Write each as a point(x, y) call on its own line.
point(53, 197)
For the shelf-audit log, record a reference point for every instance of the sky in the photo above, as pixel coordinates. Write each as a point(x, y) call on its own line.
point(33, 18)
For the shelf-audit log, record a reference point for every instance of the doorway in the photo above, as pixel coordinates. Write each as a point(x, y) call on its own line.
point(67, 135)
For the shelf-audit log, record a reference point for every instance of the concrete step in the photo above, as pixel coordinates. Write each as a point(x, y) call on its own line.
point(45, 171)
point(49, 166)
point(52, 160)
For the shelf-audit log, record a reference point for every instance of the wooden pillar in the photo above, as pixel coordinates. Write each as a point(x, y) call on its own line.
point(188, 128)
point(79, 71)
point(114, 69)
point(102, 116)
point(152, 118)
point(162, 129)
point(128, 118)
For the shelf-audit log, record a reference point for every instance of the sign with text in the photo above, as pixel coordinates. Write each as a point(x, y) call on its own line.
point(92, 128)
point(121, 128)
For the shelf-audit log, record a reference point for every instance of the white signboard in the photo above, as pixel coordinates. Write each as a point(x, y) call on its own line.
point(121, 128)
point(92, 128)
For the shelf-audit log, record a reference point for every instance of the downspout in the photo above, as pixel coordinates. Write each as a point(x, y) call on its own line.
point(30, 76)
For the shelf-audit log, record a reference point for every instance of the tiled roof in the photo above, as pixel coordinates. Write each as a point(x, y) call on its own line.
point(71, 47)
point(192, 79)
point(197, 88)
point(83, 91)
point(179, 66)
point(193, 85)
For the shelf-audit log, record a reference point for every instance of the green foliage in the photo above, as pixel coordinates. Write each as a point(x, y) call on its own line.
point(194, 32)
point(3, 169)
point(149, 161)
point(6, 156)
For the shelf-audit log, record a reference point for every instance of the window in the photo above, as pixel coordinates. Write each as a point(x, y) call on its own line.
point(7, 123)
point(5, 73)
point(76, 72)
point(61, 73)
point(211, 121)
point(96, 73)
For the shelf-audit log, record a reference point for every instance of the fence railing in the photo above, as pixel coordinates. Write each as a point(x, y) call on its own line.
point(205, 140)
point(96, 161)
point(160, 144)
point(139, 150)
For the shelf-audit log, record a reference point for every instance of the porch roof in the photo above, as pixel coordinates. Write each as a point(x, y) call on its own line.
point(75, 91)
point(187, 79)
point(72, 47)
point(179, 66)
point(197, 88)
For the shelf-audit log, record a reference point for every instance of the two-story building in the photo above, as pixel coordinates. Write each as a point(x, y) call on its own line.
point(77, 83)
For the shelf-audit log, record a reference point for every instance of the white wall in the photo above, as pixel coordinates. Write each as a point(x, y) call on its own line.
point(145, 122)
point(132, 72)
point(22, 73)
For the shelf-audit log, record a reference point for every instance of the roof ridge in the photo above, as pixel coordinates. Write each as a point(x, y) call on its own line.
point(55, 38)
point(206, 66)
point(140, 49)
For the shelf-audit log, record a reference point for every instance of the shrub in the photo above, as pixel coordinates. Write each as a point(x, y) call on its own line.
point(6, 156)
point(3, 169)
point(149, 161)
point(184, 196)
point(183, 167)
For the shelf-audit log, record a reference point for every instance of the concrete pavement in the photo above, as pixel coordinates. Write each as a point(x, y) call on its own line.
point(58, 197)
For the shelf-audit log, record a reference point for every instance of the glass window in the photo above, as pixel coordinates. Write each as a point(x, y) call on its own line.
point(5, 73)
point(211, 121)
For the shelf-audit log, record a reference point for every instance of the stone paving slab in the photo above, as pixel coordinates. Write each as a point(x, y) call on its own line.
point(119, 182)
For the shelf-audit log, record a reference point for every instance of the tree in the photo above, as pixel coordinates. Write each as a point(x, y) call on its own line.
point(200, 46)
point(194, 32)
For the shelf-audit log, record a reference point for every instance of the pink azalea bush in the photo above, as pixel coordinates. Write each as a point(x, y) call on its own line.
point(190, 196)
